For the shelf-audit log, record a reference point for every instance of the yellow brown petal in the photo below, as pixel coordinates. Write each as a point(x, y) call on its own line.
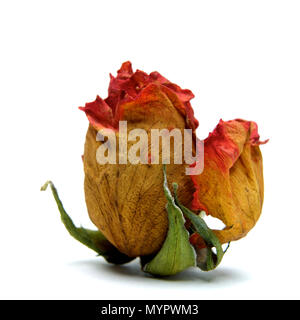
point(126, 202)
point(231, 185)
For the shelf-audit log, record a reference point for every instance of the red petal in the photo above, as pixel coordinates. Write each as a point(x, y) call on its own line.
point(127, 86)
point(99, 114)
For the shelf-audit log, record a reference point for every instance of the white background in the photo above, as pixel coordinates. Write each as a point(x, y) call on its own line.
point(240, 58)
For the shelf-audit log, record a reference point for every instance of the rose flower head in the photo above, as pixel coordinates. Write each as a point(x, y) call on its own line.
point(149, 181)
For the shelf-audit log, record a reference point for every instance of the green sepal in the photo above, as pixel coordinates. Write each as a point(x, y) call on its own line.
point(93, 239)
point(206, 259)
point(176, 254)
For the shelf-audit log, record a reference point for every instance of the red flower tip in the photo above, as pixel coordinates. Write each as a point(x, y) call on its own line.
point(127, 86)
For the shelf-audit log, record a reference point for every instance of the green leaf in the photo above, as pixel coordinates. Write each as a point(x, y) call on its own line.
point(93, 239)
point(176, 253)
point(206, 259)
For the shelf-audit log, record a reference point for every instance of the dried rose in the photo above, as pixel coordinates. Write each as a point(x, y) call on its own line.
point(132, 205)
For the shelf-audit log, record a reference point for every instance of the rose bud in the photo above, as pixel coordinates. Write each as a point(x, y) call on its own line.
point(126, 201)
point(231, 186)
point(142, 207)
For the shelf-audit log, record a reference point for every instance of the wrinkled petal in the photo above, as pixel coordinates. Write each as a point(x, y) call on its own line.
point(99, 114)
point(231, 186)
point(127, 202)
point(128, 86)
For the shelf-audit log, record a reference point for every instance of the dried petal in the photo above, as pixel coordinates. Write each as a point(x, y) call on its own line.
point(126, 201)
point(231, 186)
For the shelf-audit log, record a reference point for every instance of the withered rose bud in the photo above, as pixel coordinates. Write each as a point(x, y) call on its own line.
point(126, 201)
point(131, 203)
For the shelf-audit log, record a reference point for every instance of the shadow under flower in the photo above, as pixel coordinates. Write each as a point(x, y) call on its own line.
point(133, 270)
